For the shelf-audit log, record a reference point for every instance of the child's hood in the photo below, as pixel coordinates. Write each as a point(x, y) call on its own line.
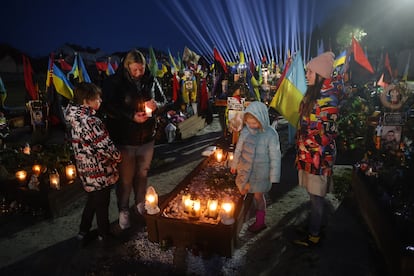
point(259, 110)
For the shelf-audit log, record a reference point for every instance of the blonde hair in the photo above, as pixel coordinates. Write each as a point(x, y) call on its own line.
point(134, 56)
point(251, 116)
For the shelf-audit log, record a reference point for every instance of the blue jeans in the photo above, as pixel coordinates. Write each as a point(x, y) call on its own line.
point(317, 204)
point(133, 173)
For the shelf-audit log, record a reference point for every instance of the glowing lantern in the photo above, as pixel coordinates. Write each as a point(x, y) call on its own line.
point(26, 149)
point(54, 180)
point(36, 169)
point(70, 171)
point(186, 202)
point(212, 208)
point(195, 212)
point(148, 111)
point(227, 209)
point(21, 175)
point(151, 201)
point(219, 155)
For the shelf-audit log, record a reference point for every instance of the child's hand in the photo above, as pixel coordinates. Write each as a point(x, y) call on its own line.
point(244, 191)
point(233, 170)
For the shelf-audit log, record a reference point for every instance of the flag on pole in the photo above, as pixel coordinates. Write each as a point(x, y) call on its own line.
point(64, 65)
point(381, 81)
point(387, 64)
point(110, 70)
point(172, 61)
point(3, 93)
point(340, 59)
point(75, 68)
point(153, 63)
point(101, 66)
point(407, 67)
point(79, 70)
point(59, 80)
point(175, 87)
point(28, 78)
point(360, 57)
point(220, 60)
point(83, 73)
point(291, 89)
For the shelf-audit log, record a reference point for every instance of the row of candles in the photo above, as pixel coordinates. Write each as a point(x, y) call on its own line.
point(220, 155)
point(54, 177)
point(37, 169)
point(193, 207)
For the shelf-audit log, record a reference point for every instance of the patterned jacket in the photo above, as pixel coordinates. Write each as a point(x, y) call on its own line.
point(95, 153)
point(316, 147)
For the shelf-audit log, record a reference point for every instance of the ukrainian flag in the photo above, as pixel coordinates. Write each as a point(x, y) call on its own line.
point(290, 92)
point(340, 59)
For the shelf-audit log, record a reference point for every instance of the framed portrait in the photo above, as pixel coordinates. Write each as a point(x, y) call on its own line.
point(391, 138)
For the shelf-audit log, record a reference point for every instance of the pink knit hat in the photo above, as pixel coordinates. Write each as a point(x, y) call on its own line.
point(322, 64)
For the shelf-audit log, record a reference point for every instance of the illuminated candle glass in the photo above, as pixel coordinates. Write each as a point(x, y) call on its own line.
point(21, 175)
point(219, 155)
point(36, 169)
point(26, 149)
point(151, 201)
point(148, 111)
point(70, 172)
point(212, 208)
point(186, 202)
point(196, 208)
point(230, 156)
point(54, 180)
point(227, 209)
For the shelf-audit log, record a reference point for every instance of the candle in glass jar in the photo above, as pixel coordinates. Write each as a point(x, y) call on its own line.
point(54, 180)
point(151, 201)
point(212, 207)
point(219, 155)
point(148, 111)
point(70, 172)
point(21, 175)
point(196, 208)
point(36, 169)
point(26, 149)
point(227, 213)
point(186, 202)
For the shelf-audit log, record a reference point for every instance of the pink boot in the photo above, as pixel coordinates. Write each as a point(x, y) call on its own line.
point(259, 224)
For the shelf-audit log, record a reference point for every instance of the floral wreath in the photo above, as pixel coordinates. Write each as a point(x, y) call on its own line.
point(386, 92)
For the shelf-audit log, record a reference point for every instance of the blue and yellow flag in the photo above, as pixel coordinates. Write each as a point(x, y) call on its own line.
point(83, 74)
point(110, 70)
point(340, 59)
point(79, 70)
point(290, 92)
point(59, 80)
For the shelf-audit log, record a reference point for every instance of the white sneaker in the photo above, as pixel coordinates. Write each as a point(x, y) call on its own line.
point(141, 208)
point(124, 220)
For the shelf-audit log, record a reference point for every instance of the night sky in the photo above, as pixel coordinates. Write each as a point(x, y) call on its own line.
point(39, 27)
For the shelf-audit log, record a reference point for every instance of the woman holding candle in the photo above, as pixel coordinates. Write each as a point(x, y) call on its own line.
point(96, 157)
point(257, 159)
point(131, 99)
